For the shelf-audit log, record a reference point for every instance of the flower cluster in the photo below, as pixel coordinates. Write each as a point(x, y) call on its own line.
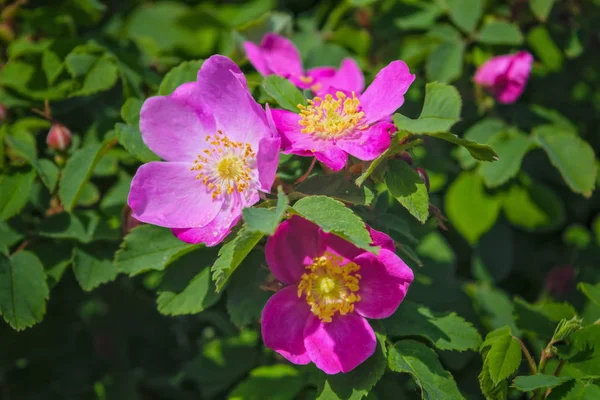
point(220, 150)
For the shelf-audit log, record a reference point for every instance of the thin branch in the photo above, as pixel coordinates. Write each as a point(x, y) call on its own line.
point(530, 360)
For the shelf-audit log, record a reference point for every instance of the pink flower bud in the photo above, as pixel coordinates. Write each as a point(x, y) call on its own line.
point(404, 156)
point(423, 176)
point(59, 137)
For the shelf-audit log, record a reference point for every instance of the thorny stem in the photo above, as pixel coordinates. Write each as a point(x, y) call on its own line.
point(530, 360)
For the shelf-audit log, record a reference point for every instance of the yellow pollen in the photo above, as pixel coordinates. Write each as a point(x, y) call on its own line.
point(306, 79)
point(330, 287)
point(224, 167)
point(331, 117)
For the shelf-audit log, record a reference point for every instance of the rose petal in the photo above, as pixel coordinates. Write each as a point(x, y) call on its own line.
point(255, 56)
point(348, 78)
point(283, 320)
point(281, 56)
point(336, 245)
point(340, 345)
point(168, 194)
point(174, 129)
point(489, 71)
point(382, 240)
point(368, 144)
point(268, 155)
point(294, 245)
point(385, 278)
point(386, 94)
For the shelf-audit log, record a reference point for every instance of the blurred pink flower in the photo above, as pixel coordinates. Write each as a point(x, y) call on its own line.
point(560, 280)
point(220, 149)
point(278, 55)
point(332, 127)
point(332, 287)
point(505, 76)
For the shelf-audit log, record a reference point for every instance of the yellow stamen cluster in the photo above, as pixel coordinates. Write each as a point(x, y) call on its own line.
point(330, 287)
point(224, 167)
point(331, 117)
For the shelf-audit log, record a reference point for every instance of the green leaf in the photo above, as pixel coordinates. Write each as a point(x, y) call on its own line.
point(469, 208)
point(553, 116)
point(78, 64)
point(265, 220)
point(446, 331)
point(149, 247)
point(500, 33)
point(494, 307)
point(576, 390)
point(490, 390)
point(406, 185)
point(422, 363)
point(77, 172)
point(572, 156)
point(93, 267)
point(592, 292)
point(511, 148)
point(465, 13)
point(274, 382)
point(284, 92)
point(232, 254)
point(480, 152)
point(9, 236)
point(332, 216)
point(541, 8)
point(102, 76)
point(422, 19)
point(541, 319)
point(130, 112)
point(544, 47)
point(537, 381)
point(503, 358)
point(445, 63)
point(481, 132)
point(187, 71)
point(245, 296)
point(186, 287)
point(64, 225)
point(46, 169)
point(578, 236)
point(52, 65)
point(130, 137)
point(357, 383)
point(338, 187)
point(23, 290)
point(14, 192)
point(532, 206)
point(441, 110)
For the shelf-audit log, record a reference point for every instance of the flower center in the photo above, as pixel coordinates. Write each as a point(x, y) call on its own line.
point(330, 287)
point(331, 117)
point(225, 167)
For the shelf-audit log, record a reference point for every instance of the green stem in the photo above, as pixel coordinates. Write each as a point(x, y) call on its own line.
point(530, 360)
point(335, 16)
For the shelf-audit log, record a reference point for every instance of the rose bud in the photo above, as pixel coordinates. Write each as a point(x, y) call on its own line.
point(423, 176)
point(59, 137)
point(406, 157)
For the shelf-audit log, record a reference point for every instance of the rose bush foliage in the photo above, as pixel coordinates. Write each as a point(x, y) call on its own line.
point(299, 200)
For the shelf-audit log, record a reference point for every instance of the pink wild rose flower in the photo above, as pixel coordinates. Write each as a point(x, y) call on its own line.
point(278, 55)
point(505, 76)
point(333, 126)
point(220, 149)
point(332, 286)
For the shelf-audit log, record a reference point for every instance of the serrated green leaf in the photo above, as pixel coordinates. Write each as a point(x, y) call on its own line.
point(541, 8)
point(469, 208)
point(186, 287)
point(592, 292)
point(575, 390)
point(78, 64)
point(46, 169)
point(479, 151)
point(532, 206)
point(101, 76)
point(445, 331)
point(572, 156)
point(541, 319)
point(23, 290)
point(406, 185)
point(441, 110)
point(481, 132)
point(445, 63)
point(332, 216)
point(494, 307)
point(422, 363)
point(52, 65)
point(503, 358)
point(149, 247)
point(266, 220)
point(187, 71)
point(68, 226)
point(130, 137)
point(14, 191)
point(337, 186)
point(537, 381)
point(274, 382)
point(77, 172)
point(465, 13)
point(511, 148)
point(232, 254)
point(490, 390)
point(93, 267)
point(284, 92)
point(357, 383)
point(500, 33)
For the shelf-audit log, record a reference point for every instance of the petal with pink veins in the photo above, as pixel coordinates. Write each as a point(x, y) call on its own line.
point(385, 279)
point(340, 345)
point(283, 320)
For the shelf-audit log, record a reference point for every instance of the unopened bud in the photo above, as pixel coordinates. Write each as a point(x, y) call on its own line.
point(423, 176)
point(59, 137)
point(406, 157)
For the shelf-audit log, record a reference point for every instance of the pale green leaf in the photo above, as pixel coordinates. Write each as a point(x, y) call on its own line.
point(130, 137)
point(445, 63)
point(500, 33)
point(541, 43)
point(274, 382)
point(511, 148)
point(541, 8)
point(537, 381)
point(14, 191)
point(503, 358)
point(187, 71)
point(532, 206)
point(465, 13)
point(130, 111)
point(266, 220)
point(406, 185)
point(592, 292)
point(284, 92)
